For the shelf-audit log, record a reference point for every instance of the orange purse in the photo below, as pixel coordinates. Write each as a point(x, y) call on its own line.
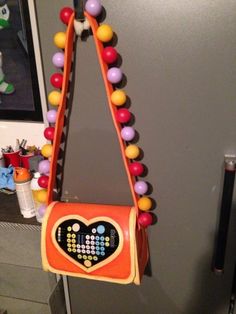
point(94, 241)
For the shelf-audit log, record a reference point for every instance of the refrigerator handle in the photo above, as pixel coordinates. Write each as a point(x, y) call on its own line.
point(226, 204)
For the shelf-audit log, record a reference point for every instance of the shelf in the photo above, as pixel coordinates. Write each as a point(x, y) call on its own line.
point(10, 211)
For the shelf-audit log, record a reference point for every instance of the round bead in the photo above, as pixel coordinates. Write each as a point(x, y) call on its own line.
point(58, 59)
point(109, 55)
point(93, 7)
point(52, 116)
point(123, 115)
point(144, 203)
point(44, 166)
point(132, 151)
point(41, 196)
point(65, 14)
point(43, 181)
point(54, 98)
point(49, 133)
point(141, 187)
point(104, 33)
point(128, 133)
point(145, 219)
point(46, 150)
point(60, 40)
point(56, 80)
point(118, 97)
point(114, 75)
point(42, 210)
point(136, 168)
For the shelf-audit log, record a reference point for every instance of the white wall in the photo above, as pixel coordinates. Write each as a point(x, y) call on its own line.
point(32, 132)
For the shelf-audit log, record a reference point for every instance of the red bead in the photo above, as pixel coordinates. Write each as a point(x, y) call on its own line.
point(109, 55)
point(145, 219)
point(123, 115)
point(136, 168)
point(65, 14)
point(49, 133)
point(43, 182)
point(56, 80)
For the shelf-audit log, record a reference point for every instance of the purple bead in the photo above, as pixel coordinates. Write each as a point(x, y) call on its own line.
point(93, 7)
point(114, 75)
point(128, 133)
point(52, 116)
point(141, 187)
point(58, 59)
point(44, 166)
point(42, 210)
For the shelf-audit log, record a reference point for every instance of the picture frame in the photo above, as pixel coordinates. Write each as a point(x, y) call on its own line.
point(21, 63)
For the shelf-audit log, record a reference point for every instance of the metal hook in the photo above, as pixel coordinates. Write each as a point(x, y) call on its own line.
point(79, 10)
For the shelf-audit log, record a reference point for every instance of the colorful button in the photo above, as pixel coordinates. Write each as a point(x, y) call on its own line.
point(97, 248)
point(87, 247)
point(102, 249)
point(92, 247)
point(87, 237)
point(101, 243)
point(78, 250)
point(68, 240)
point(83, 251)
point(107, 244)
point(84, 256)
point(69, 228)
point(97, 253)
point(88, 251)
point(87, 263)
point(92, 237)
point(107, 239)
point(78, 246)
point(87, 242)
point(79, 256)
point(90, 257)
point(93, 252)
point(68, 235)
point(97, 242)
point(69, 249)
point(97, 238)
point(76, 227)
point(94, 230)
point(73, 236)
point(92, 242)
point(74, 250)
point(102, 238)
point(68, 245)
point(95, 258)
point(100, 229)
point(103, 253)
point(73, 241)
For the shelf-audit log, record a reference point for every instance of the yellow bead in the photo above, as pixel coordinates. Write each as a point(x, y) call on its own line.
point(132, 151)
point(60, 40)
point(144, 203)
point(118, 97)
point(41, 196)
point(46, 150)
point(54, 98)
point(104, 33)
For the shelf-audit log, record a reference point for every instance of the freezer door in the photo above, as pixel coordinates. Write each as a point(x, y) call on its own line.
point(179, 60)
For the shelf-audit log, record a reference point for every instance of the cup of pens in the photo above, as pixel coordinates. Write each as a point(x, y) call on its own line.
point(11, 157)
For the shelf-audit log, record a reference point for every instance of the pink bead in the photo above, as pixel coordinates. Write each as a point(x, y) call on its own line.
point(114, 75)
point(93, 7)
point(141, 187)
point(128, 133)
point(145, 219)
point(42, 210)
point(58, 59)
point(52, 116)
point(44, 167)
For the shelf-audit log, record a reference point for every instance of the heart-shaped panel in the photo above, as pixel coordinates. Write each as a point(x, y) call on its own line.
point(89, 243)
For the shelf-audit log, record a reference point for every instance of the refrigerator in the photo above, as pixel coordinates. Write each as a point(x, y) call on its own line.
point(178, 58)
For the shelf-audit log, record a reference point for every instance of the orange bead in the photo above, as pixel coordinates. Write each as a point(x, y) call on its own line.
point(144, 203)
point(60, 39)
point(118, 97)
point(54, 98)
point(104, 33)
point(132, 151)
point(46, 150)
